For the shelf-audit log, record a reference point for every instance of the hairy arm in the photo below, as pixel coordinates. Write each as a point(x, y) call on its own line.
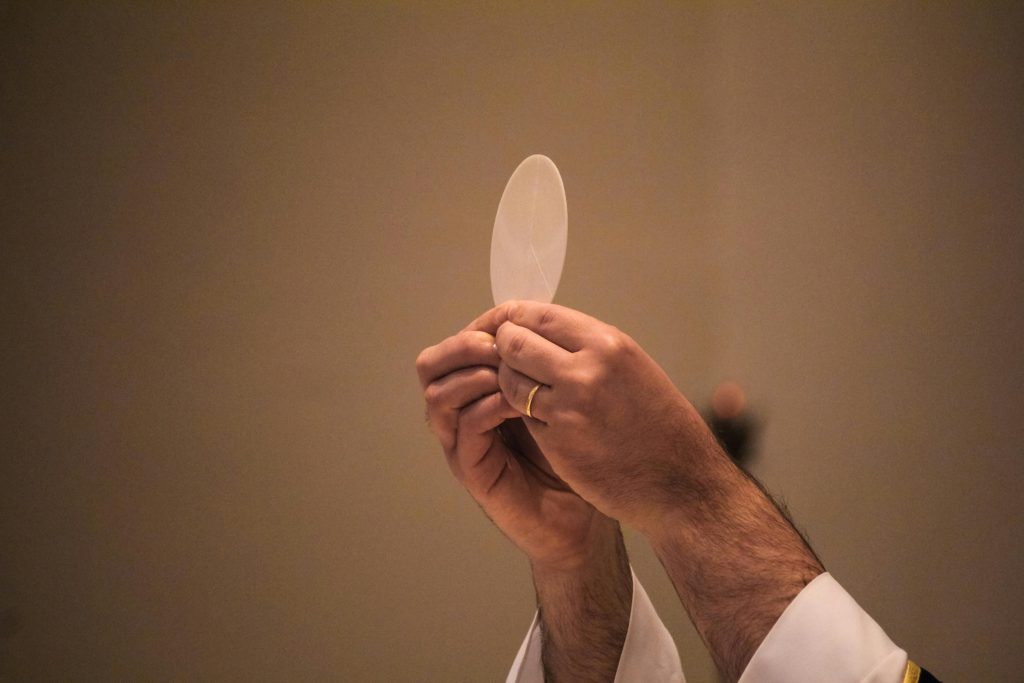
point(615, 428)
point(734, 558)
point(584, 610)
point(580, 569)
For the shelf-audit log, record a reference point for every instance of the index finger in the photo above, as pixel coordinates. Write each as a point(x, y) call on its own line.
point(463, 350)
point(563, 326)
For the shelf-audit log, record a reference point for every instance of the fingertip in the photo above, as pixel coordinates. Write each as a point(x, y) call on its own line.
point(423, 364)
point(486, 345)
point(515, 310)
point(487, 321)
point(491, 320)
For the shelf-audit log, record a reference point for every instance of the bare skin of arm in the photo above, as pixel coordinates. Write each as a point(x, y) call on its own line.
point(614, 427)
point(584, 612)
point(580, 570)
point(736, 563)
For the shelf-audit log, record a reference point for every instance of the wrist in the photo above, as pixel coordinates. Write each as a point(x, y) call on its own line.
point(592, 552)
point(736, 563)
point(704, 484)
point(584, 608)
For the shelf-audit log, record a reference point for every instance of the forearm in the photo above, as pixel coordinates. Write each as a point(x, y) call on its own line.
point(584, 610)
point(735, 560)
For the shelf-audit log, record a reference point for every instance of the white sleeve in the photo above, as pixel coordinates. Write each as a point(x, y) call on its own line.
point(648, 654)
point(824, 635)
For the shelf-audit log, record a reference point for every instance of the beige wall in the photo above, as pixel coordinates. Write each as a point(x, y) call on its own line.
point(227, 232)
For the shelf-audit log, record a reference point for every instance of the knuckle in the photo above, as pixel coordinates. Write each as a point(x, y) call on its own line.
point(547, 318)
point(433, 394)
point(490, 379)
point(515, 342)
point(460, 343)
point(423, 360)
point(514, 310)
point(610, 342)
point(612, 346)
point(592, 375)
point(589, 383)
point(467, 420)
point(586, 377)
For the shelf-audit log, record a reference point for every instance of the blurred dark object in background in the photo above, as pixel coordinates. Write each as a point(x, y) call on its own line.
point(731, 421)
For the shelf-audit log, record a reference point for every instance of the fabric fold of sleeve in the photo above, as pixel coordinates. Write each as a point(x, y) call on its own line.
point(824, 635)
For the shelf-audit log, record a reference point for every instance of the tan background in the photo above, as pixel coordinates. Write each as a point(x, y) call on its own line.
point(228, 230)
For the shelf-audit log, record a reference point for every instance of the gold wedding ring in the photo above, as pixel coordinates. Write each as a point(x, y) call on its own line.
point(529, 400)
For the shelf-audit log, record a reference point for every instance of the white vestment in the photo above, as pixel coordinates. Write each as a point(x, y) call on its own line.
point(823, 635)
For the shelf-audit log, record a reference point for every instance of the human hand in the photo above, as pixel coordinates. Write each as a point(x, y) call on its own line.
point(614, 427)
point(490, 451)
point(608, 418)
